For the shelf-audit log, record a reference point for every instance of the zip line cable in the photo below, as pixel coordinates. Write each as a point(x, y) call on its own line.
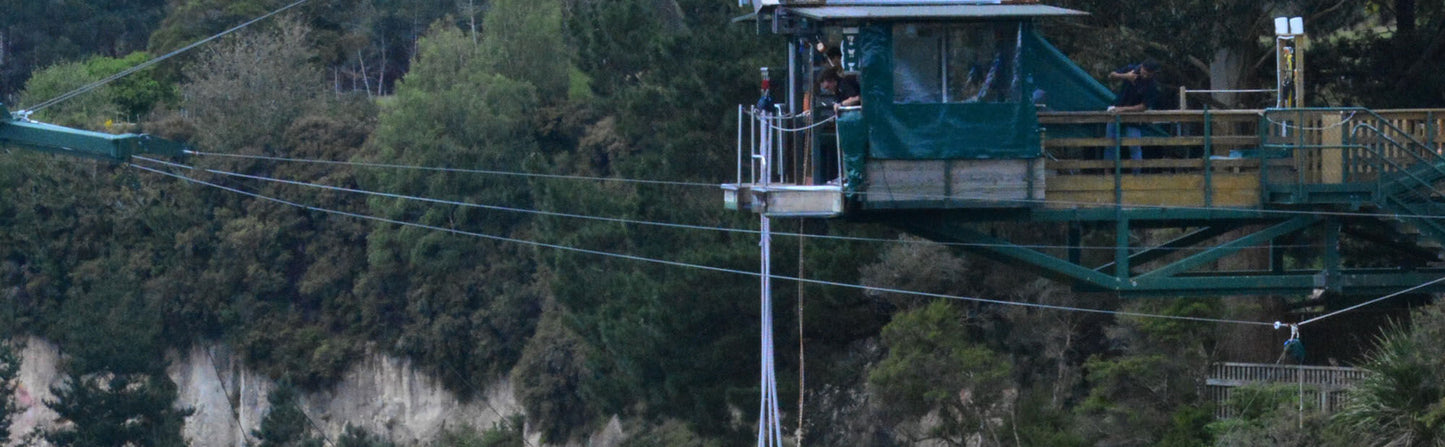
point(447, 202)
point(1077, 204)
point(685, 264)
point(143, 65)
point(1373, 301)
point(451, 170)
point(643, 222)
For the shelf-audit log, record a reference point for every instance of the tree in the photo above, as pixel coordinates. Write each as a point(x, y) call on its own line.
point(463, 306)
point(33, 37)
point(932, 367)
point(108, 409)
point(1401, 401)
point(505, 433)
point(285, 424)
point(1144, 391)
point(90, 110)
point(9, 373)
point(249, 90)
point(358, 437)
point(547, 380)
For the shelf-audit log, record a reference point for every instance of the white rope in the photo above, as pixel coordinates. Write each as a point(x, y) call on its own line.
point(800, 129)
point(1287, 125)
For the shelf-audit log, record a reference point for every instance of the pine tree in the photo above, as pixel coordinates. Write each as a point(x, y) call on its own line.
point(286, 424)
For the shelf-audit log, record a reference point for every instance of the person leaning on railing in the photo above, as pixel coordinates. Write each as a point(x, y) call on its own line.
point(1138, 92)
point(845, 89)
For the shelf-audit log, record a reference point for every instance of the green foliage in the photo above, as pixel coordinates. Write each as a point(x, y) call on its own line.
point(505, 433)
point(125, 99)
point(285, 425)
point(1187, 427)
point(117, 409)
point(137, 93)
point(463, 306)
point(248, 90)
point(43, 34)
point(88, 111)
point(9, 378)
point(668, 433)
point(523, 41)
point(548, 380)
point(1152, 383)
point(359, 437)
point(1402, 399)
point(933, 368)
point(1269, 415)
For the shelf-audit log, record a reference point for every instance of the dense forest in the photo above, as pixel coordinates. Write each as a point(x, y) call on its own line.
point(535, 112)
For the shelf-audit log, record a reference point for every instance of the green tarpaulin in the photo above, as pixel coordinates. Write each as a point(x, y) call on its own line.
point(964, 91)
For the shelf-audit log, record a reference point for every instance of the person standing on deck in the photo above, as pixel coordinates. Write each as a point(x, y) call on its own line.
point(1137, 94)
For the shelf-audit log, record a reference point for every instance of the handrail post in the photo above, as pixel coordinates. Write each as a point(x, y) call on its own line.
point(1263, 130)
point(740, 145)
point(1208, 155)
point(1118, 163)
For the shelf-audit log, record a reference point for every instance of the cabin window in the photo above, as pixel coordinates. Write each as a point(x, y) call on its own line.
point(964, 63)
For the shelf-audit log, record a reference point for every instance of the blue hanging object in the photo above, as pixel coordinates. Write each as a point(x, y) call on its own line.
point(1295, 348)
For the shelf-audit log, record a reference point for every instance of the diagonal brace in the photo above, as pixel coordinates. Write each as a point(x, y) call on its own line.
point(1228, 248)
point(1007, 250)
point(1162, 250)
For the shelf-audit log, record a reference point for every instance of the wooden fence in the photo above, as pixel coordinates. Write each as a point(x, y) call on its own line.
point(1323, 386)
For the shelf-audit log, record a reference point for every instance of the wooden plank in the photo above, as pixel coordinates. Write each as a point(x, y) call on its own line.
point(893, 180)
point(1177, 163)
point(927, 180)
point(1148, 141)
point(1332, 161)
point(1231, 190)
point(1179, 116)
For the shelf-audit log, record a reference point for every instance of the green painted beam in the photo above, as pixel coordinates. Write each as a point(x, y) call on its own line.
point(1165, 273)
point(1059, 268)
point(1167, 248)
point(18, 132)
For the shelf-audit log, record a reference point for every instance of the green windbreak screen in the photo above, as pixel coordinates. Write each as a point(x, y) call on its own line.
point(964, 91)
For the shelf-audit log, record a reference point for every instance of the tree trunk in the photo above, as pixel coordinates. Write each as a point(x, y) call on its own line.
point(1225, 70)
point(1405, 22)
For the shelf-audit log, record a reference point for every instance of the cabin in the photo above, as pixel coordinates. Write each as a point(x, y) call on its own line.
point(969, 115)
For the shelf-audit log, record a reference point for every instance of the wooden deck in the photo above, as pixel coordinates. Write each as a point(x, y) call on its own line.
point(1224, 158)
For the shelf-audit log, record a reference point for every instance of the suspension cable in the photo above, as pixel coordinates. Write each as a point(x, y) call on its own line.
point(685, 264)
point(654, 223)
point(1076, 204)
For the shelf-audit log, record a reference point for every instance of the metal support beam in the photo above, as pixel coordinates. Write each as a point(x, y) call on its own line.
point(1167, 248)
point(1006, 250)
point(81, 143)
point(1228, 248)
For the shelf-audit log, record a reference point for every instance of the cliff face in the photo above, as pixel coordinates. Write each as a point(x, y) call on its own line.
point(384, 395)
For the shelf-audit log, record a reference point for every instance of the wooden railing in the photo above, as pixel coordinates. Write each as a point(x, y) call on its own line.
point(1294, 147)
point(1324, 386)
point(1190, 158)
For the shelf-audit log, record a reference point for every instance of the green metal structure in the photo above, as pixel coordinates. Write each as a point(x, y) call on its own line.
point(1301, 201)
point(15, 130)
